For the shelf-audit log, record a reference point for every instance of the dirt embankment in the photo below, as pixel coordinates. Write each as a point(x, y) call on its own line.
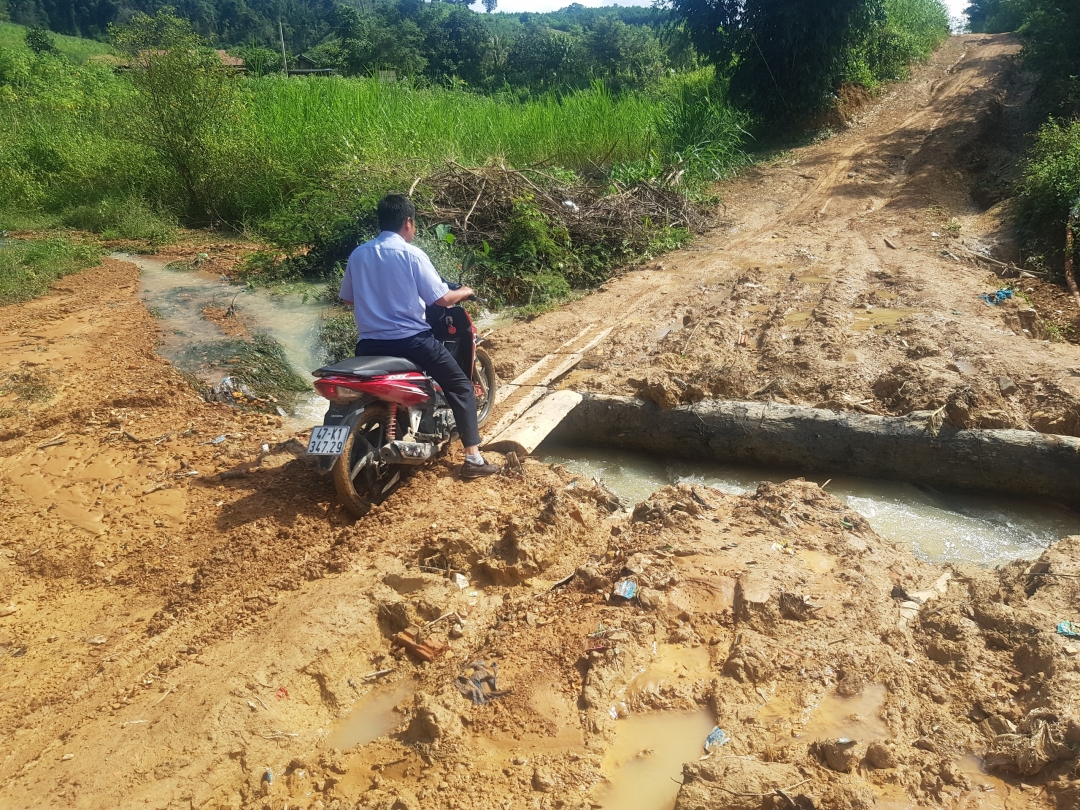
point(188, 619)
point(844, 275)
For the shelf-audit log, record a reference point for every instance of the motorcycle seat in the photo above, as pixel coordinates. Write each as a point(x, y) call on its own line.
point(369, 367)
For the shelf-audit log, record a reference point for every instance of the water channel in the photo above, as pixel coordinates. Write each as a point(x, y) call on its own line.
point(939, 526)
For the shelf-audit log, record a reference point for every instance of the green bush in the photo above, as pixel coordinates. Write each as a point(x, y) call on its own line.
point(1051, 183)
point(911, 30)
point(129, 218)
point(40, 41)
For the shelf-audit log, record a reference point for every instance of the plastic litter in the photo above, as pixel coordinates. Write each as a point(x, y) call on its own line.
point(717, 737)
point(995, 298)
point(461, 581)
point(626, 588)
point(268, 777)
point(477, 682)
point(1069, 629)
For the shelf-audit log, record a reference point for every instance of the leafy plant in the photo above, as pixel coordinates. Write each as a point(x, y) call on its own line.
point(185, 98)
point(40, 41)
point(1051, 182)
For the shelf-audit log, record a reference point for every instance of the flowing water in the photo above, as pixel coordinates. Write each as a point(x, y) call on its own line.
point(178, 297)
point(939, 526)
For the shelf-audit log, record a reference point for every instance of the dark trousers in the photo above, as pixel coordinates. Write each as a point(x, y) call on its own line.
point(424, 350)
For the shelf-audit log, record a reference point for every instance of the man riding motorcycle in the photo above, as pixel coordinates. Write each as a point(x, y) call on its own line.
point(388, 282)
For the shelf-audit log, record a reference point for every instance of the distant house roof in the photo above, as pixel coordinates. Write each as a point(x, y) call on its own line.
point(234, 62)
point(306, 66)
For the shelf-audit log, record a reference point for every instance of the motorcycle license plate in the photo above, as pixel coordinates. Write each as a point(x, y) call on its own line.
point(327, 441)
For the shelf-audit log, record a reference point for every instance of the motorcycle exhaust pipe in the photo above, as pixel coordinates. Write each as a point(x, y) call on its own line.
point(407, 452)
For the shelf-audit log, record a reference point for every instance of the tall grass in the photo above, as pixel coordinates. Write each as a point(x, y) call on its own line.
point(384, 123)
point(292, 130)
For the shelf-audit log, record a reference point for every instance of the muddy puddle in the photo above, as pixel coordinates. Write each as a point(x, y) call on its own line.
point(863, 318)
point(856, 718)
point(372, 716)
point(938, 526)
point(178, 298)
point(645, 764)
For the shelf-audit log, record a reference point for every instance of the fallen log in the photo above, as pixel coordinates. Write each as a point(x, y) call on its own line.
point(524, 435)
point(903, 448)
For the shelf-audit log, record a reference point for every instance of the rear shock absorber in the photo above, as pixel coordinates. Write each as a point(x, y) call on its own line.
point(391, 423)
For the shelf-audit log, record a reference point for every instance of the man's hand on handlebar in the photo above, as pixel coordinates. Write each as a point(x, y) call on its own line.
point(455, 297)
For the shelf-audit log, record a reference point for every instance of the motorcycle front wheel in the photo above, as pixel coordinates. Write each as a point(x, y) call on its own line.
point(484, 377)
point(361, 478)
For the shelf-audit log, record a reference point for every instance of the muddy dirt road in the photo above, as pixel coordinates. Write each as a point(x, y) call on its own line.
point(189, 620)
point(843, 277)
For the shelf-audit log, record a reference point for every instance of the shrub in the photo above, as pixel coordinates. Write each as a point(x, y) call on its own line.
point(40, 41)
point(1051, 182)
point(129, 218)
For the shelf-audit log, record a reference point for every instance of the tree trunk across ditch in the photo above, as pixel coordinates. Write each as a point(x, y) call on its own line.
point(816, 440)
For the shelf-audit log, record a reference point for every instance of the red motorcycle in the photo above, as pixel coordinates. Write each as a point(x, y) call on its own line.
point(387, 415)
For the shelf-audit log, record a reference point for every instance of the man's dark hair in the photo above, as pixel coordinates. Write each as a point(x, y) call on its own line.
point(393, 210)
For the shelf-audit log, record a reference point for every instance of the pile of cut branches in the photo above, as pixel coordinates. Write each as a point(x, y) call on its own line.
point(478, 204)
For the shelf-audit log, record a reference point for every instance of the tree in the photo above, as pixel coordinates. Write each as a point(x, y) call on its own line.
point(785, 58)
point(260, 61)
point(455, 43)
point(545, 59)
point(1051, 31)
point(995, 16)
point(184, 96)
point(40, 41)
point(489, 5)
point(380, 39)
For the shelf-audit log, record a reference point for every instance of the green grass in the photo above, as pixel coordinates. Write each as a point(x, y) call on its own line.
point(28, 268)
point(76, 49)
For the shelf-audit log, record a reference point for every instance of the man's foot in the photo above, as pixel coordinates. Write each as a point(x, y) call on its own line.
point(472, 469)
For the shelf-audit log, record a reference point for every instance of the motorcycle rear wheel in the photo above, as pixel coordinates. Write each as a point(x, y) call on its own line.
point(484, 375)
point(360, 477)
